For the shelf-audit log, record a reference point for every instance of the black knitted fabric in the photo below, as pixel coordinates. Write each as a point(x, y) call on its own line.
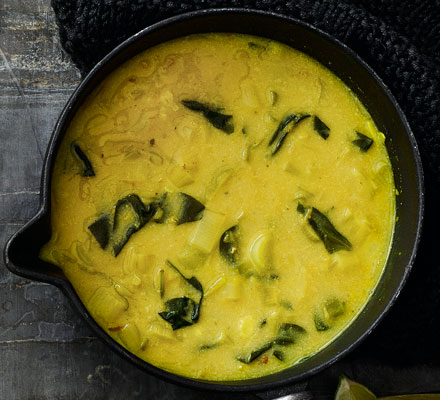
point(400, 39)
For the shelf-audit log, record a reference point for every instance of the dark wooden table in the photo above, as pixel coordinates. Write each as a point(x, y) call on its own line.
point(46, 350)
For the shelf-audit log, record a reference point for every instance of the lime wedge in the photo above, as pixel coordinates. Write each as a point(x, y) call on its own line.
point(350, 390)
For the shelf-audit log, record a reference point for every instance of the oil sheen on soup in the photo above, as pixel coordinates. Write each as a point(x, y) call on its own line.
point(223, 205)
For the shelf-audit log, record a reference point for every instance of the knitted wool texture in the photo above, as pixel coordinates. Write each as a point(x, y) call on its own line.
point(399, 39)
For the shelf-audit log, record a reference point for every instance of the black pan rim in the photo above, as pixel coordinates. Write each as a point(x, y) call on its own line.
point(65, 286)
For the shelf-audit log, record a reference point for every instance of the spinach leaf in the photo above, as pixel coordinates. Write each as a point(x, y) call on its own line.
point(330, 237)
point(284, 128)
point(177, 312)
point(140, 215)
point(322, 129)
point(229, 245)
point(363, 142)
point(180, 311)
point(212, 114)
point(255, 354)
point(288, 334)
point(87, 165)
point(101, 230)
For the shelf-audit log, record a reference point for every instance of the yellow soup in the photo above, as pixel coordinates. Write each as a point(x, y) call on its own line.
point(223, 205)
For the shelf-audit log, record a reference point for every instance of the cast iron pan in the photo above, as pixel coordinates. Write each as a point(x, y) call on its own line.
point(21, 253)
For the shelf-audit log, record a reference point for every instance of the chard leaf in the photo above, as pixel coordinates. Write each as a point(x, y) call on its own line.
point(181, 207)
point(256, 46)
point(191, 209)
point(178, 311)
point(101, 230)
point(88, 170)
point(330, 237)
point(334, 308)
point(284, 128)
point(208, 346)
point(322, 129)
point(279, 354)
point(140, 215)
point(183, 308)
point(247, 359)
point(363, 142)
point(161, 283)
point(320, 325)
point(228, 245)
point(301, 209)
point(329, 311)
point(288, 334)
point(212, 114)
point(130, 215)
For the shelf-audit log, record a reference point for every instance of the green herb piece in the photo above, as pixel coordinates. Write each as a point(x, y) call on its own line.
point(255, 354)
point(101, 230)
point(334, 308)
point(229, 245)
point(286, 304)
point(212, 114)
point(279, 354)
point(137, 215)
point(322, 129)
point(256, 46)
point(320, 325)
point(244, 131)
point(288, 334)
point(87, 165)
point(332, 239)
point(300, 208)
point(195, 309)
point(273, 97)
point(330, 310)
point(161, 283)
point(284, 128)
point(208, 346)
point(363, 142)
point(178, 311)
point(263, 323)
point(190, 210)
point(160, 214)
